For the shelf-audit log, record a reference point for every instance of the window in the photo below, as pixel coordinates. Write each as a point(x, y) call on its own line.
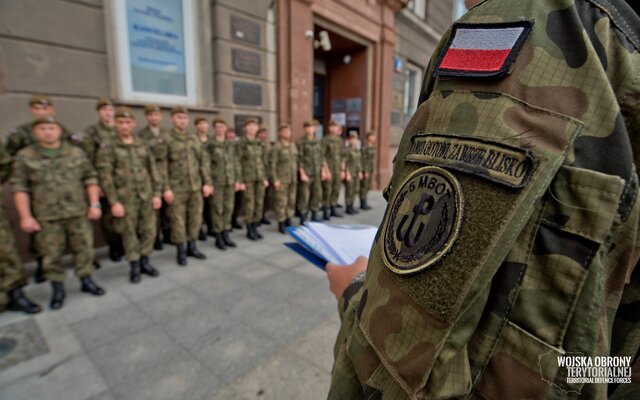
point(458, 9)
point(155, 50)
point(418, 7)
point(412, 87)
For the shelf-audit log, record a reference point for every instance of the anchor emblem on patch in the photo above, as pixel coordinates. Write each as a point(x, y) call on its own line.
point(424, 220)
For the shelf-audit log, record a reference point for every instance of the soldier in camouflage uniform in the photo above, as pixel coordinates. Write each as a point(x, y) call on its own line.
point(510, 240)
point(254, 176)
point(226, 173)
point(55, 191)
point(12, 275)
point(202, 133)
point(103, 132)
point(263, 137)
point(333, 152)
point(187, 181)
point(232, 138)
point(353, 178)
point(132, 185)
point(311, 163)
point(368, 168)
point(21, 137)
point(153, 135)
point(283, 164)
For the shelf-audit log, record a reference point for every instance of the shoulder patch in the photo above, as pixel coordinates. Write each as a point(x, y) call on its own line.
point(482, 50)
point(424, 220)
point(496, 162)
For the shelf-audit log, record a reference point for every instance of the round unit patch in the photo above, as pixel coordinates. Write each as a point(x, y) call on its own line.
point(424, 220)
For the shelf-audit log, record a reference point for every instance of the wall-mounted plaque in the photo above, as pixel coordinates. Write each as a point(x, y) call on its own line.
point(245, 30)
point(247, 94)
point(245, 61)
point(239, 119)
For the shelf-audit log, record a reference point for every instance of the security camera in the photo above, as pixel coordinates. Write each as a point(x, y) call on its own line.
point(308, 34)
point(325, 42)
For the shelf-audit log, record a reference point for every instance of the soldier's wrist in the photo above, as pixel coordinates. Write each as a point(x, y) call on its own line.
point(96, 204)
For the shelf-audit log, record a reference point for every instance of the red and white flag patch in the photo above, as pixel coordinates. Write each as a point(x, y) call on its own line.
point(482, 50)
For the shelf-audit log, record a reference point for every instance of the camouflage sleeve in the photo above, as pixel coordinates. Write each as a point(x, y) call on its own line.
point(19, 178)
point(273, 164)
point(104, 166)
point(5, 164)
point(205, 167)
point(163, 166)
point(89, 173)
point(87, 142)
point(154, 173)
point(237, 165)
point(242, 157)
point(14, 144)
point(359, 163)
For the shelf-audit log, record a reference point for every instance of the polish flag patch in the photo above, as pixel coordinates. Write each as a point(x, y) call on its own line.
point(482, 50)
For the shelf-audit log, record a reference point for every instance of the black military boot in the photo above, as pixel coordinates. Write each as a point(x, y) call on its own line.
point(89, 286)
point(114, 252)
point(315, 217)
point(364, 205)
point(264, 221)
point(146, 268)
point(96, 264)
point(335, 213)
point(256, 231)
point(251, 235)
point(287, 222)
point(157, 244)
point(192, 251)
point(227, 239)
point(235, 224)
point(303, 217)
point(326, 214)
point(351, 210)
point(202, 236)
point(281, 227)
point(17, 301)
point(57, 297)
point(38, 276)
point(220, 241)
point(134, 275)
point(182, 254)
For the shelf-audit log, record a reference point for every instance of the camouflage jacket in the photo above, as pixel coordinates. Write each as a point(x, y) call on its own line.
point(186, 163)
point(333, 151)
point(225, 165)
point(353, 161)
point(94, 136)
point(55, 181)
point(368, 159)
point(511, 232)
point(157, 145)
point(310, 156)
point(5, 169)
point(251, 154)
point(128, 172)
point(21, 137)
point(283, 163)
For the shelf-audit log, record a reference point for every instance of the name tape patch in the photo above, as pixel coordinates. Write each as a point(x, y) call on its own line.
point(482, 50)
point(499, 163)
point(424, 220)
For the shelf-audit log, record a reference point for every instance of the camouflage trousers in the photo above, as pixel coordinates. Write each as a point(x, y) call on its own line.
point(310, 194)
point(185, 216)
point(352, 188)
point(331, 189)
point(365, 186)
point(285, 204)
point(137, 228)
point(221, 205)
point(253, 201)
point(12, 273)
point(52, 241)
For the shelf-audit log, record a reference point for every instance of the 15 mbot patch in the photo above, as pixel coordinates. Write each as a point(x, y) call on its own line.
point(423, 220)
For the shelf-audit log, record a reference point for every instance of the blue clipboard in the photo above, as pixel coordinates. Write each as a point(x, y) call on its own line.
point(309, 256)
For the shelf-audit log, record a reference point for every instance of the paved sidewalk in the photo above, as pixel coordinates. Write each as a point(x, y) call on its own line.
point(253, 322)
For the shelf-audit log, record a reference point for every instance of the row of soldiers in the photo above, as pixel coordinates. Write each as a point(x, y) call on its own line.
point(152, 183)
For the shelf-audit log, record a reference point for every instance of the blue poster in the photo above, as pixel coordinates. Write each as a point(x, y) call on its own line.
point(157, 46)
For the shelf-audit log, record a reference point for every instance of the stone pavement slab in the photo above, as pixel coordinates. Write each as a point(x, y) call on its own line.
point(256, 322)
